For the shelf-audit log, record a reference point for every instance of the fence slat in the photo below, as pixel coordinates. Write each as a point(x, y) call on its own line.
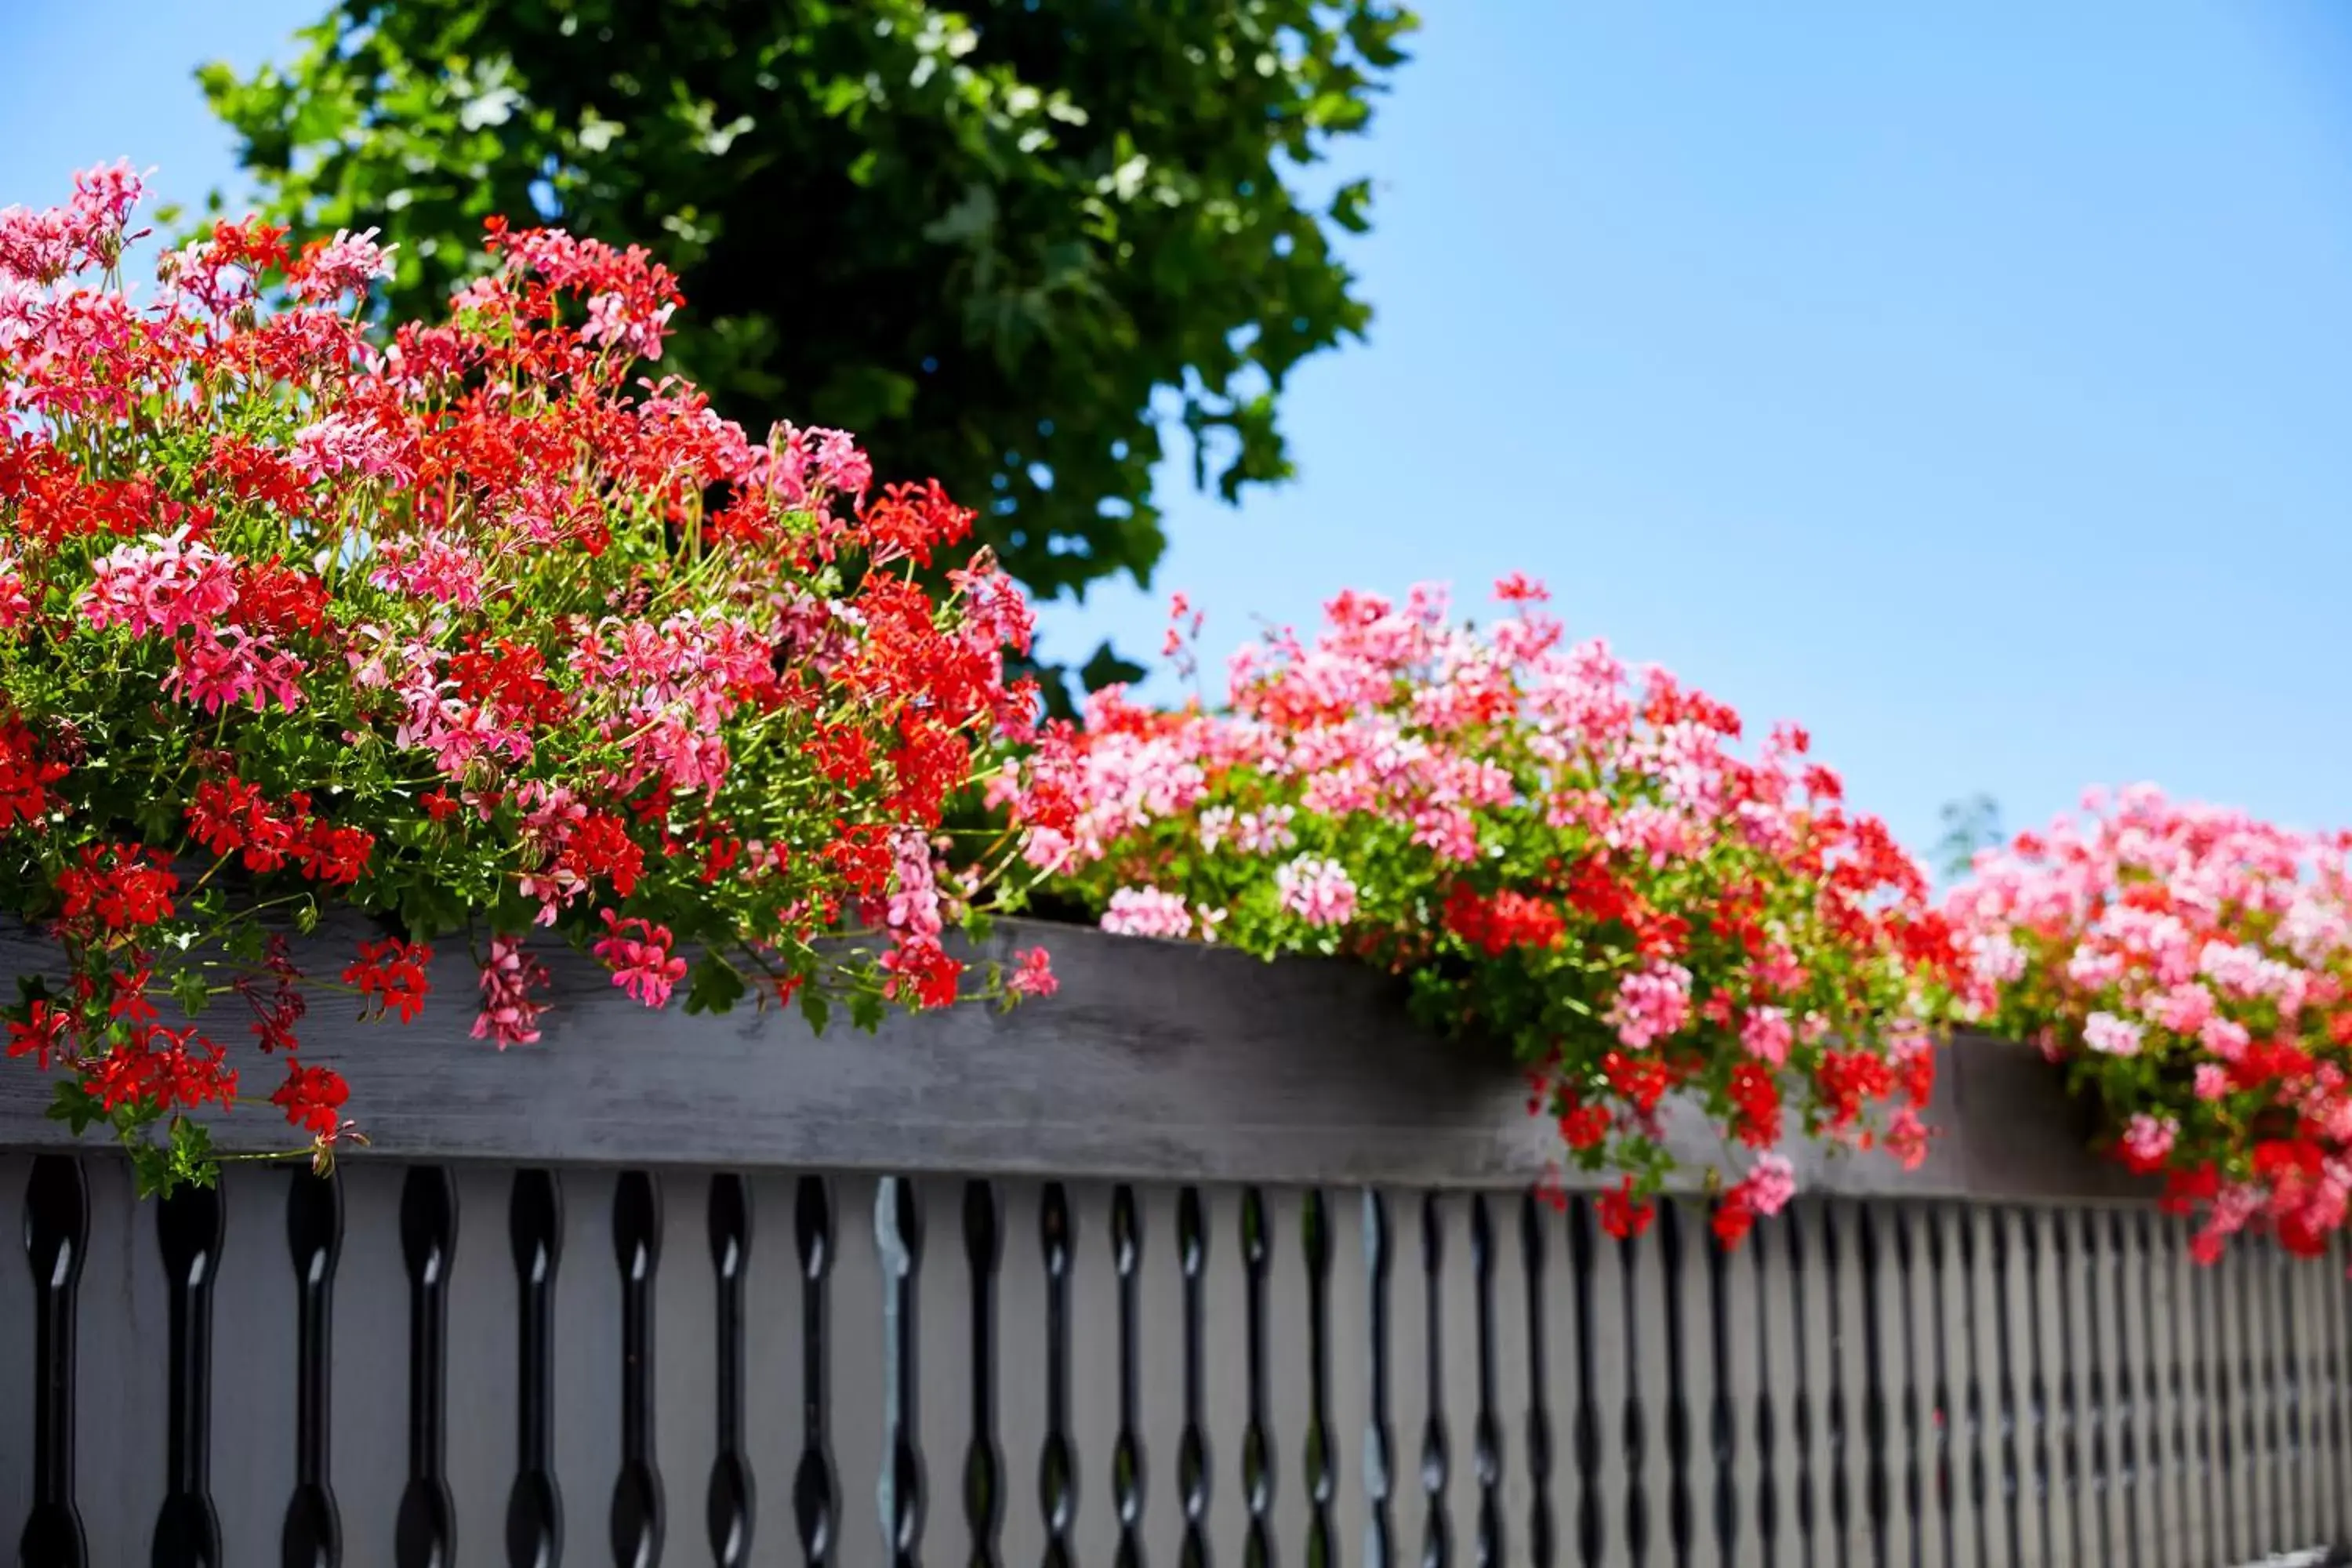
point(2311, 1344)
point(2258, 1403)
point(1916, 1309)
point(1862, 1383)
point(2336, 1312)
point(1649, 1463)
point(1087, 1327)
point(1960, 1450)
point(1512, 1388)
point(2051, 1384)
point(2079, 1393)
point(1601, 1262)
point(2133, 1451)
point(854, 1334)
point(775, 1400)
point(1735, 1344)
point(1853, 1527)
point(1385, 1477)
point(478, 1359)
point(1687, 1250)
point(1776, 1508)
point(727, 1496)
point(1890, 1432)
point(1816, 1384)
point(62, 1540)
point(254, 1370)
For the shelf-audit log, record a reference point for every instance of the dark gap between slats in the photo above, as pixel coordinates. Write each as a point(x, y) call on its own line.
point(1126, 1451)
point(1315, 1241)
point(1591, 1530)
point(534, 1504)
point(983, 1461)
point(637, 1511)
point(727, 1499)
point(1379, 1455)
point(57, 1234)
point(1486, 1436)
point(1193, 1454)
point(1437, 1540)
point(1677, 1412)
point(1800, 1400)
point(814, 1502)
point(1722, 1421)
point(311, 1535)
point(1542, 1547)
point(1057, 1480)
point(1257, 1449)
point(898, 1244)
point(424, 1531)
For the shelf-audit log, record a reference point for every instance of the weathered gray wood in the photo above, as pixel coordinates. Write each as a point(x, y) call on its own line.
point(2200, 1449)
point(2079, 1415)
point(2073, 1328)
point(1159, 1337)
point(1960, 1441)
point(2329, 1327)
point(1514, 1386)
point(774, 1392)
point(1684, 1241)
point(1924, 1340)
point(370, 1420)
point(1157, 1060)
point(1095, 1370)
point(685, 1356)
point(1742, 1328)
point(856, 1369)
point(1346, 1358)
point(1779, 1499)
point(1997, 1425)
point(1890, 1464)
point(1846, 1384)
point(943, 1389)
point(1459, 1350)
point(2273, 1494)
point(1416, 1421)
point(2133, 1448)
point(1811, 1297)
point(2021, 1310)
point(1384, 1467)
point(16, 1371)
point(1224, 1350)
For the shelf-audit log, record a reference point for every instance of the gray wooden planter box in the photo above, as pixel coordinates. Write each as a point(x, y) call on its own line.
point(1202, 1252)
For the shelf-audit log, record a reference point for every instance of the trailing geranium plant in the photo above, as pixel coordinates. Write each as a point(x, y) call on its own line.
point(1552, 851)
point(464, 624)
point(2189, 965)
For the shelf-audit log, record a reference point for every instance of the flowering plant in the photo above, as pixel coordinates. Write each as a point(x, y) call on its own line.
point(2189, 965)
point(1552, 852)
point(470, 628)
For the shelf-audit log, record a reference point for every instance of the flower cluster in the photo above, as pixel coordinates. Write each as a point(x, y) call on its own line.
point(2192, 967)
point(1555, 852)
point(457, 623)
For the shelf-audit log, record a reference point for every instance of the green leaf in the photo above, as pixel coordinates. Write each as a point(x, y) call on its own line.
point(816, 1009)
point(713, 985)
point(75, 1105)
point(189, 988)
point(866, 1010)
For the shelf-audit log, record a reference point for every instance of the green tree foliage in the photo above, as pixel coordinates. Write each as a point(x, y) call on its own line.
point(983, 239)
point(1969, 826)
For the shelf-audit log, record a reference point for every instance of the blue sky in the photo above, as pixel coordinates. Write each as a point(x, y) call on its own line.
point(1971, 383)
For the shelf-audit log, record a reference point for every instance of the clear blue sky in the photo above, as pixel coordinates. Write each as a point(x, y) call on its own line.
point(1972, 384)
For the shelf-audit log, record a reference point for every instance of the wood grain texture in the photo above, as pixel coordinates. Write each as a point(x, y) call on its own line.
point(1157, 1060)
